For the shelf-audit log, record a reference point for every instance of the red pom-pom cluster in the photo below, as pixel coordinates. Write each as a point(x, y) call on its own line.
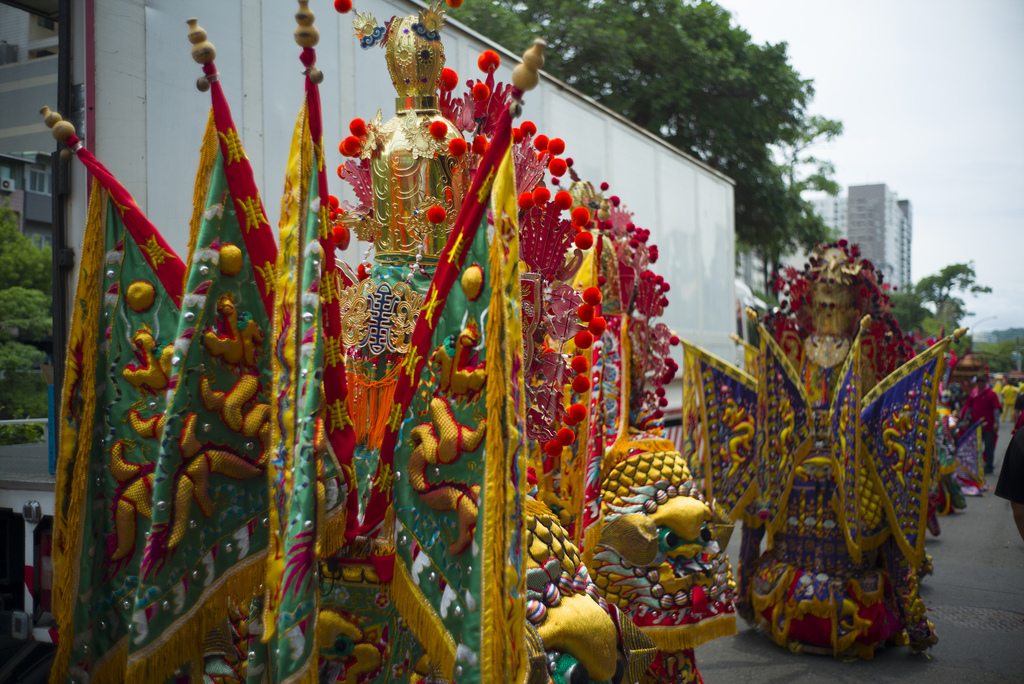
point(553, 448)
point(449, 79)
point(575, 414)
point(350, 146)
point(488, 61)
point(481, 91)
point(457, 147)
point(341, 236)
point(436, 214)
point(343, 6)
point(584, 239)
point(580, 216)
point(438, 129)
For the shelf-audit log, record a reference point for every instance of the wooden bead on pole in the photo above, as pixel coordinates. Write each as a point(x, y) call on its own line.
point(526, 76)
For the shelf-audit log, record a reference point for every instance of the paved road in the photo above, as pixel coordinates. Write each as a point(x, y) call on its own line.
point(979, 564)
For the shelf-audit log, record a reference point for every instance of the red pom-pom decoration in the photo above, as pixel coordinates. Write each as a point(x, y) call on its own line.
point(457, 147)
point(343, 6)
point(674, 341)
point(557, 167)
point(525, 200)
point(332, 201)
point(488, 61)
point(555, 181)
point(614, 199)
point(585, 312)
point(350, 146)
point(361, 272)
point(583, 339)
point(541, 195)
point(358, 127)
point(568, 161)
point(584, 239)
point(341, 236)
point(580, 364)
point(553, 448)
point(438, 129)
point(592, 296)
point(563, 200)
point(660, 391)
point(576, 413)
point(604, 187)
point(528, 128)
point(449, 79)
point(480, 91)
point(566, 436)
point(479, 144)
point(580, 384)
point(556, 146)
point(601, 280)
point(597, 326)
point(580, 216)
point(436, 214)
point(541, 142)
point(341, 169)
point(662, 402)
point(517, 136)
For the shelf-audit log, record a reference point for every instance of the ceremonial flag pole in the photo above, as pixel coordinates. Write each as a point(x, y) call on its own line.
point(111, 417)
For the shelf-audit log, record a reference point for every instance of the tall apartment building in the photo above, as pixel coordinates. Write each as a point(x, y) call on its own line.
point(875, 218)
point(833, 211)
point(28, 79)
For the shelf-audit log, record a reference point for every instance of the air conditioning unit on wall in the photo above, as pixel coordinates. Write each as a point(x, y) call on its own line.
point(7, 184)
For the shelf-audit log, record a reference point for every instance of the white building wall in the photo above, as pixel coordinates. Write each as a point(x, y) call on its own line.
point(150, 119)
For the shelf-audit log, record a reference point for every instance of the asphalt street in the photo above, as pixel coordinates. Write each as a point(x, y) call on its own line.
point(975, 599)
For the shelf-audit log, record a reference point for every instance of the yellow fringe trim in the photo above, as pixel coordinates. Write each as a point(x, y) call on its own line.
point(368, 404)
point(502, 642)
point(76, 445)
point(333, 532)
point(421, 619)
point(207, 158)
point(109, 669)
point(182, 642)
point(691, 636)
point(867, 598)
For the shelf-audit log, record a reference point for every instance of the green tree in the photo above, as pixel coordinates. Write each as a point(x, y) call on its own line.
point(21, 262)
point(684, 72)
point(908, 309)
point(25, 320)
point(941, 291)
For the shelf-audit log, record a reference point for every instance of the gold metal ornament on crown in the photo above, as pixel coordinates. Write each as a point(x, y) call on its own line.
point(411, 170)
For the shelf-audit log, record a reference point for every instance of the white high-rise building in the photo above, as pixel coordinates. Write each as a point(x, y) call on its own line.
point(833, 211)
point(876, 219)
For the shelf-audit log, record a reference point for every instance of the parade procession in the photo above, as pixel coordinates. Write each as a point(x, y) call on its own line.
point(449, 427)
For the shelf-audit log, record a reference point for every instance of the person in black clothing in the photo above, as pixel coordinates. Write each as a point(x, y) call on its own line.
point(1011, 479)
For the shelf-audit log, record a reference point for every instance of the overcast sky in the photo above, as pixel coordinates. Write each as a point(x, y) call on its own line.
point(931, 95)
